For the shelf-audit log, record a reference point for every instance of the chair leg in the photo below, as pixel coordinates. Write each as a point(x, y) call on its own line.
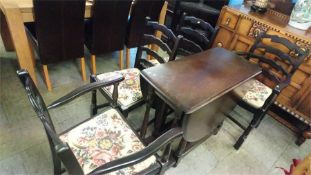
point(121, 59)
point(93, 64)
point(260, 119)
point(47, 77)
point(93, 100)
point(125, 113)
point(181, 148)
point(247, 131)
point(128, 57)
point(82, 64)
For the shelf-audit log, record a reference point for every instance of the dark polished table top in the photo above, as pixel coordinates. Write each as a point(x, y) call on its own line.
point(194, 81)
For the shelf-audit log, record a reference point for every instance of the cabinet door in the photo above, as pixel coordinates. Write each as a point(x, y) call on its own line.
point(241, 43)
point(223, 38)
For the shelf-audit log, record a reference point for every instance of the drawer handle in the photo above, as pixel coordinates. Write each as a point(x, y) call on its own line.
point(219, 44)
point(228, 21)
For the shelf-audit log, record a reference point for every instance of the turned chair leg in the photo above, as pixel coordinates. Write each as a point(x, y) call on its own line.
point(82, 64)
point(47, 77)
point(121, 59)
point(128, 57)
point(180, 150)
point(247, 131)
point(93, 64)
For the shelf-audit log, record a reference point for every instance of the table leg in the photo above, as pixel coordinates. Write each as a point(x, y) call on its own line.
point(181, 149)
point(15, 23)
point(159, 119)
point(5, 33)
point(149, 101)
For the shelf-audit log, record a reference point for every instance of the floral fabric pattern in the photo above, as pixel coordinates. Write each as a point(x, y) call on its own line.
point(128, 90)
point(105, 138)
point(253, 92)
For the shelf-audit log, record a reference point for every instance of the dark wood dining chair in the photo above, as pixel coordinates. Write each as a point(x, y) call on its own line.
point(106, 30)
point(169, 46)
point(100, 144)
point(58, 33)
point(136, 27)
point(129, 92)
point(270, 52)
point(198, 35)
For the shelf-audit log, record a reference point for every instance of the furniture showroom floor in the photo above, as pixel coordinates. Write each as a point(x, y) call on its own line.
point(24, 147)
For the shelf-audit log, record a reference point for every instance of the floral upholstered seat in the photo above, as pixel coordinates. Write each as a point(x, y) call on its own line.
point(105, 138)
point(253, 92)
point(128, 90)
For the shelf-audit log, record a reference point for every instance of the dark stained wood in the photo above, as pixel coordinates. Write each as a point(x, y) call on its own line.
point(194, 81)
point(196, 87)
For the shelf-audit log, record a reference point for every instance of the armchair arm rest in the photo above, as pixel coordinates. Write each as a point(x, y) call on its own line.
point(84, 89)
point(141, 155)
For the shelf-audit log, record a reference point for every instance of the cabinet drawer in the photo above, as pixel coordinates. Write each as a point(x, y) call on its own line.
point(229, 20)
point(223, 38)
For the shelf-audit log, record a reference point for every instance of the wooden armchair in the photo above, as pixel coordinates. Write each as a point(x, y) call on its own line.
point(198, 35)
point(257, 95)
point(102, 144)
point(129, 92)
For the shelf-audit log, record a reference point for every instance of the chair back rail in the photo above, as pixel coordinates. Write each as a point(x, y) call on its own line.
point(106, 30)
point(196, 30)
point(59, 29)
point(275, 71)
point(170, 45)
point(137, 25)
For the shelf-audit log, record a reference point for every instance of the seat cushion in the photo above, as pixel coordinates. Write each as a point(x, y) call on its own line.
point(129, 89)
point(253, 92)
point(105, 138)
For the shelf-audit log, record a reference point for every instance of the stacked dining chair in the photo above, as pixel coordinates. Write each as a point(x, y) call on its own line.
point(58, 33)
point(278, 66)
point(105, 31)
point(129, 91)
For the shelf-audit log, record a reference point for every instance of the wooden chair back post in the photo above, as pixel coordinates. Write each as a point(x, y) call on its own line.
point(58, 148)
